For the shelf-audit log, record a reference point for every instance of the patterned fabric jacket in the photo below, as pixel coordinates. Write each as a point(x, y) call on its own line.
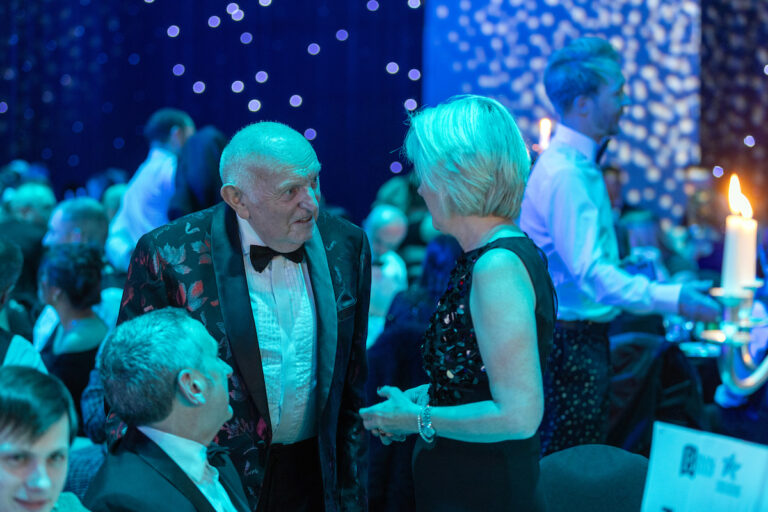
point(196, 263)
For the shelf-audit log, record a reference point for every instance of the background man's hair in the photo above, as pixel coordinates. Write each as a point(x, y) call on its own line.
point(31, 402)
point(579, 69)
point(159, 125)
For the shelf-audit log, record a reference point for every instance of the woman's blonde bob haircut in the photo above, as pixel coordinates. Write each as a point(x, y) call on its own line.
point(470, 151)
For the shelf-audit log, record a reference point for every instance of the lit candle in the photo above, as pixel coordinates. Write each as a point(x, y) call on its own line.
point(740, 250)
point(545, 131)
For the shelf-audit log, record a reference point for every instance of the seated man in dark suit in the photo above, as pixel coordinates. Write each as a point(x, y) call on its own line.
point(162, 375)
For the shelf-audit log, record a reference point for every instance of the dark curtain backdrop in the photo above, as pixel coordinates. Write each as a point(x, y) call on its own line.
point(78, 79)
point(734, 93)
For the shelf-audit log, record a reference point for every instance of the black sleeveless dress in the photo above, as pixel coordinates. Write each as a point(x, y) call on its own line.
point(458, 476)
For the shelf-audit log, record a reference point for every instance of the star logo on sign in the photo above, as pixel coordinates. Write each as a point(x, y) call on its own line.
point(730, 466)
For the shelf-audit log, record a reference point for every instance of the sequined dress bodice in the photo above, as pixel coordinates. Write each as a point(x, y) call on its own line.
point(452, 357)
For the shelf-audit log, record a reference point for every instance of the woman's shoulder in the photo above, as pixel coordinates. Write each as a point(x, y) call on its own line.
point(501, 254)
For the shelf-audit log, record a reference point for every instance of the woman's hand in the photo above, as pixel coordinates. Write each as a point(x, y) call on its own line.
point(418, 395)
point(392, 419)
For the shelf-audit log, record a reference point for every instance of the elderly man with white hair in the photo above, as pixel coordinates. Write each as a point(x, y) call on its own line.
point(284, 288)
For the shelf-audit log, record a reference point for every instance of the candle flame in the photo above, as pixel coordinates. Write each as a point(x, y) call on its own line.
point(737, 201)
point(545, 130)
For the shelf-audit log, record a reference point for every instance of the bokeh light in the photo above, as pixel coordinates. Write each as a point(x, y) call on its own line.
point(411, 104)
point(396, 167)
point(310, 134)
point(313, 49)
point(718, 172)
point(238, 86)
point(342, 35)
point(3, 107)
point(46, 153)
point(414, 74)
point(214, 21)
point(265, 3)
point(295, 100)
point(198, 87)
point(232, 8)
point(372, 5)
point(414, 4)
point(173, 31)
point(134, 59)
point(392, 68)
point(118, 143)
point(73, 160)
point(178, 69)
point(77, 127)
point(254, 105)
point(261, 77)
point(238, 15)
point(246, 38)
point(749, 141)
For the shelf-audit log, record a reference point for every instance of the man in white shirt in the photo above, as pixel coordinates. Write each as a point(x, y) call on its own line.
point(14, 349)
point(162, 375)
point(148, 196)
point(567, 212)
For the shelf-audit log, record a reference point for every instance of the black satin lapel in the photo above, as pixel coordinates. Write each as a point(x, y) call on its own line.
point(234, 488)
point(235, 306)
point(325, 306)
point(153, 455)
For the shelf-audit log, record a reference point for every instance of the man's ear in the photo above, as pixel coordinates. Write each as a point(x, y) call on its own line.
point(76, 235)
point(176, 136)
point(192, 387)
point(582, 104)
point(233, 196)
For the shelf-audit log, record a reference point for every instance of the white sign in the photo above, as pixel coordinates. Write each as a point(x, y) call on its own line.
point(693, 471)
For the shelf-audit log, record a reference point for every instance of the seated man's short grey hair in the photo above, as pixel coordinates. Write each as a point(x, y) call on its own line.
point(141, 360)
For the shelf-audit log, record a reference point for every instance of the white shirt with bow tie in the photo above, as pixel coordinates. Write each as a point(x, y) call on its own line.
point(285, 318)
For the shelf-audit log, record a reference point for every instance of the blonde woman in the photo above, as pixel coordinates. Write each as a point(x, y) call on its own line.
point(478, 417)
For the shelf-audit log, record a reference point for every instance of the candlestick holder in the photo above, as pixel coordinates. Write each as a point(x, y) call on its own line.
point(738, 370)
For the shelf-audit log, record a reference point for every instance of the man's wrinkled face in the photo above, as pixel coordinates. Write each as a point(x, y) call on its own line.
point(283, 204)
point(32, 473)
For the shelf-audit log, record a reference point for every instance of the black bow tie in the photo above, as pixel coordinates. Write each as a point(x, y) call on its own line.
point(215, 455)
point(261, 256)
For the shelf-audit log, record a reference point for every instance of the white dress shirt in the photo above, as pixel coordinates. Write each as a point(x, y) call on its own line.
point(144, 206)
point(285, 318)
point(192, 458)
point(22, 353)
point(567, 213)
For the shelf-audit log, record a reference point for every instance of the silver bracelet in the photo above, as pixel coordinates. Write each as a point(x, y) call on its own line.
point(424, 424)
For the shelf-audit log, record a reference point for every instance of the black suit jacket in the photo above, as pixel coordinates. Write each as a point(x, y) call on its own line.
point(196, 262)
point(138, 476)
